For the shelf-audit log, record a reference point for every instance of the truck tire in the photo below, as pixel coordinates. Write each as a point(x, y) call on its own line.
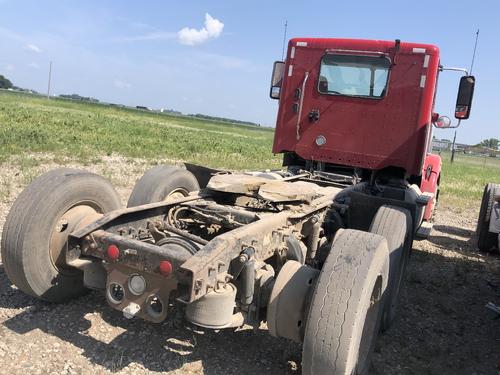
point(37, 228)
point(487, 241)
point(160, 183)
point(395, 225)
point(346, 306)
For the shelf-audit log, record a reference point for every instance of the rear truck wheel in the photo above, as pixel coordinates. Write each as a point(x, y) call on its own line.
point(36, 230)
point(346, 306)
point(487, 241)
point(395, 225)
point(161, 183)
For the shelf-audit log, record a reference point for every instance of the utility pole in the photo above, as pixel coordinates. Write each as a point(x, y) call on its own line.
point(453, 148)
point(50, 76)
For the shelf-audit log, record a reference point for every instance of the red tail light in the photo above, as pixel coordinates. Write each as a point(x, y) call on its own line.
point(165, 267)
point(113, 252)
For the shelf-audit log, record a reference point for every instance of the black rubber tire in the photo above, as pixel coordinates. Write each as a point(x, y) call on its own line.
point(395, 225)
point(487, 241)
point(30, 223)
point(349, 293)
point(157, 183)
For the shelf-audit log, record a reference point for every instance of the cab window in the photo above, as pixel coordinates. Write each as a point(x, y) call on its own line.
point(351, 75)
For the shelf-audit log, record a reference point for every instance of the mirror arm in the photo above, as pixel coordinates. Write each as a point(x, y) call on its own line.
point(449, 127)
point(456, 125)
point(463, 70)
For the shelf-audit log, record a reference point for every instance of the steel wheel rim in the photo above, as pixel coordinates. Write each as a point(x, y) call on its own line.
point(176, 194)
point(63, 226)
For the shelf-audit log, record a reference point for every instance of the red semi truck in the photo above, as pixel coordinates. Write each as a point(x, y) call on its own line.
point(317, 249)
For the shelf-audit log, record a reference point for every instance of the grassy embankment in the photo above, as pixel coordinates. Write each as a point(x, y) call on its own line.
point(83, 133)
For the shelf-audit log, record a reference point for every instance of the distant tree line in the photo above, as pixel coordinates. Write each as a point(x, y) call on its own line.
point(5, 83)
point(490, 143)
point(223, 119)
point(80, 98)
point(171, 112)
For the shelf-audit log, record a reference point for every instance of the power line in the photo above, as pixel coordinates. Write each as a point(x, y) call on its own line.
point(474, 54)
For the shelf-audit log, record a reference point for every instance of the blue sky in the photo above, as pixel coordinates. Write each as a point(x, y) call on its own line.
point(163, 54)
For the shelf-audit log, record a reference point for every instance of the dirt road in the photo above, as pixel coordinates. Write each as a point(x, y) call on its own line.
point(442, 328)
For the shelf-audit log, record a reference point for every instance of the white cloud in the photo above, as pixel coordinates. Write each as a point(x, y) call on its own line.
point(33, 48)
point(9, 67)
point(212, 30)
point(121, 84)
point(34, 65)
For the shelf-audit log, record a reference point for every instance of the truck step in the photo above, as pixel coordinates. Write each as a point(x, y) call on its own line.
point(424, 230)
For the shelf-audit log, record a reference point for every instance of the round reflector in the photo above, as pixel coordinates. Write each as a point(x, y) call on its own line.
point(113, 252)
point(165, 267)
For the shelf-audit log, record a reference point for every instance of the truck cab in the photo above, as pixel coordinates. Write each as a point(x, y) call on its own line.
point(362, 109)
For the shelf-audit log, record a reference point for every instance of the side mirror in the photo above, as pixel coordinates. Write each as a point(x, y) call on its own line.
point(277, 79)
point(443, 122)
point(464, 97)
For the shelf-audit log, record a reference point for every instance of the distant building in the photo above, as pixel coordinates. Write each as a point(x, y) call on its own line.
point(462, 147)
point(441, 144)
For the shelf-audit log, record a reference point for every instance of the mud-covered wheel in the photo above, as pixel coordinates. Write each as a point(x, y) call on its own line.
point(487, 241)
point(395, 225)
point(346, 306)
point(161, 183)
point(37, 227)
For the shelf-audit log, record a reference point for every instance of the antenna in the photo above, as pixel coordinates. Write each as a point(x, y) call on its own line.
point(284, 41)
point(474, 54)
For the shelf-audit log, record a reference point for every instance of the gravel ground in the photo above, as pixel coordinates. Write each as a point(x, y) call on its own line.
point(442, 328)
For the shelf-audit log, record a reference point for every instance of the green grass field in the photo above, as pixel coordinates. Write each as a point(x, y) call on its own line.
point(463, 181)
point(84, 132)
